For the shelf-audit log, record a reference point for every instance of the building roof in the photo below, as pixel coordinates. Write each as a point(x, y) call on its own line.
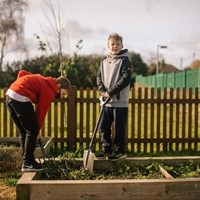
point(169, 69)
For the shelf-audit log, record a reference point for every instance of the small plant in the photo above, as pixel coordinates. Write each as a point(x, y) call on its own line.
point(67, 64)
point(10, 182)
point(184, 171)
point(10, 179)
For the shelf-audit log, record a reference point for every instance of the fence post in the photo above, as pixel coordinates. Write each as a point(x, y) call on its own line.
point(198, 78)
point(184, 79)
point(71, 119)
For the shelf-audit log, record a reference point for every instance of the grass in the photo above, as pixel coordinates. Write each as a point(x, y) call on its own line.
point(10, 178)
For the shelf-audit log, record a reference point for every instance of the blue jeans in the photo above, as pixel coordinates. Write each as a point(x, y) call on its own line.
point(118, 116)
point(24, 116)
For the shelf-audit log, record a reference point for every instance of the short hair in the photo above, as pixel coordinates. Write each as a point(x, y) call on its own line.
point(64, 82)
point(115, 36)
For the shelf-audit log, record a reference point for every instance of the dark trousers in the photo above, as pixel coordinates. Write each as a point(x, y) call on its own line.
point(119, 117)
point(23, 115)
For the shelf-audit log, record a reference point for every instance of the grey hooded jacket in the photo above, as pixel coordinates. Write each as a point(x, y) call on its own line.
point(114, 77)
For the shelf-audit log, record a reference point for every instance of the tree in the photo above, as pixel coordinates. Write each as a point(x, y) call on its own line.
point(138, 66)
point(195, 64)
point(56, 32)
point(11, 27)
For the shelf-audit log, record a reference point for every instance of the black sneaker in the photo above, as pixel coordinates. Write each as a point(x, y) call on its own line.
point(106, 152)
point(117, 155)
point(31, 167)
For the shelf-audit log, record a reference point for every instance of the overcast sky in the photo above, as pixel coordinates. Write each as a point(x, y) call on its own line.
point(143, 24)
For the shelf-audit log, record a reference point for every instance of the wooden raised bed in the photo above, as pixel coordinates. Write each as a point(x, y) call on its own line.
point(29, 187)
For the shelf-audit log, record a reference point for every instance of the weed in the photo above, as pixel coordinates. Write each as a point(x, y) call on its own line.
point(10, 178)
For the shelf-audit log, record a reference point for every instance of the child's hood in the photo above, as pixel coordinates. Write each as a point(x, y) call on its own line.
point(122, 53)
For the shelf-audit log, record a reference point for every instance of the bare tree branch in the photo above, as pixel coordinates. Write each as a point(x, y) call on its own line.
point(11, 27)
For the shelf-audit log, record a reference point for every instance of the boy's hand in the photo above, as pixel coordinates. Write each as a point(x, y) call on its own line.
point(39, 136)
point(105, 94)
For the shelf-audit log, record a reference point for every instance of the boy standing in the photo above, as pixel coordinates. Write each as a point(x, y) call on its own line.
point(113, 81)
point(27, 89)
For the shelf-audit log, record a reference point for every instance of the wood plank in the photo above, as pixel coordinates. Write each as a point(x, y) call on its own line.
point(114, 189)
point(177, 117)
point(183, 118)
point(152, 107)
point(133, 120)
point(139, 120)
point(145, 118)
point(171, 119)
point(158, 121)
point(196, 118)
point(165, 121)
point(190, 119)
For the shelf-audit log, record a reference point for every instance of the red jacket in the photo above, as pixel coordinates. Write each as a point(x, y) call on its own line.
point(40, 90)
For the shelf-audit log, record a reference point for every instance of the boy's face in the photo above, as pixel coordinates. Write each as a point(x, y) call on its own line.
point(61, 93)
point(114, 46)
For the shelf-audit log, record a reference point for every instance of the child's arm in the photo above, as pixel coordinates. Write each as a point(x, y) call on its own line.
point(101, 87)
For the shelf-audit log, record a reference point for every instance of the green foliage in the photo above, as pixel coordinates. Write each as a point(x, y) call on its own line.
point(138, 66)
point(65, 65)
point(10, 182)
point(87, 67)
point(42, 45)
point(80, 69)
point(68, 65)
point(67, 169)
point(7, 77)
point(11, 179)
point(184, 171)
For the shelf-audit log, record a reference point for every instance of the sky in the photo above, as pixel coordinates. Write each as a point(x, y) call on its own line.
point(145, 25)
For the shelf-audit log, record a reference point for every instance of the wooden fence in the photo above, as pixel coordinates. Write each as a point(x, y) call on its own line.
point(158, 121)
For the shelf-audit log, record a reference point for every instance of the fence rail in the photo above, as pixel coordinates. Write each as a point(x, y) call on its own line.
point(158, 120)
